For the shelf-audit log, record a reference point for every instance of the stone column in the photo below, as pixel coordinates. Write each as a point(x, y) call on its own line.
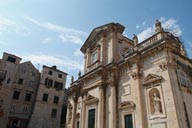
point(99, 54)
point(101, 118)
point(113, 103)
point(82, 120)
point(74, 111)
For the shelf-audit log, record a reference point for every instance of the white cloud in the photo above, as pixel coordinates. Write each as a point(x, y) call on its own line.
point(137, 26)
point(168, 25)
point(65, 34)
point(46, 40)
point(78, 53)
point(145, 33)
point(6, 24)
point(50, 60)
point(71, 38)
point(3, 43)
point(143, 23)
point(171, 25)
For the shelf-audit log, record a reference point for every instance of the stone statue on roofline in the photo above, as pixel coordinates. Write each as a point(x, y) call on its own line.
point(135, 39)
point(72, 79)
point(158, 26)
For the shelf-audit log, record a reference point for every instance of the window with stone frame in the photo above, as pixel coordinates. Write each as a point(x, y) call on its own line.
point(20, 81)
point(28, 97)
point(16, 95)
point(48, 82)
point(56, 100)
point(50, 72)
point(54, 113)
point(45, 97)
point(11, 59)
point(78, 124)
point(58, 85)
point(183, 79)
point(91, 118)
point(94, 57)
point(59, 75)
point(128, 120)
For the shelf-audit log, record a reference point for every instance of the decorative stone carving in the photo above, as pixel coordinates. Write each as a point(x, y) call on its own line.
point(155, 102)
point(134, 75)
point(163, 66)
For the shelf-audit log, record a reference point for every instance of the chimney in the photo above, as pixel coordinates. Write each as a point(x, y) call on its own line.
point(54, 67)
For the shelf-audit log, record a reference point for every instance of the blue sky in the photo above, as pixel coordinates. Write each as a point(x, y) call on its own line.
point(51, 32)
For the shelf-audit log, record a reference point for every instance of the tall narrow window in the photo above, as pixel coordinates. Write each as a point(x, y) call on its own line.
point(54, 113)
point(28, 97)
point(58, 85)
point(59, 75)
point(45, 97)
point(128, 121)
point(56, 100)
point(16, 95)
point(91, 119)
point(48, 82)
point(77, 124)
point(20, 81)
point(50, 72)
point(94, 57)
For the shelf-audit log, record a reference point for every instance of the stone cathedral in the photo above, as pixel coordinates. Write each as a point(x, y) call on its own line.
point(131, 84)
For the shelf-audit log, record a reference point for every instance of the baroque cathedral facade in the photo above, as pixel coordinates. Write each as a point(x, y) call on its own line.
point(127, 84)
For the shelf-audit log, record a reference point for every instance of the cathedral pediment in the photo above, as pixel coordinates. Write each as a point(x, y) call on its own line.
point(151, 78)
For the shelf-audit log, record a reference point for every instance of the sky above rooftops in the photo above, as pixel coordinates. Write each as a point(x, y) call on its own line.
point(49, 32)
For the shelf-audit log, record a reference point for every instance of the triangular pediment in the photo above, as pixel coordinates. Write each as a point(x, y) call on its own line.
point(97, 32)
point(126, 104)
point(90, 99)
point(151, 78)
